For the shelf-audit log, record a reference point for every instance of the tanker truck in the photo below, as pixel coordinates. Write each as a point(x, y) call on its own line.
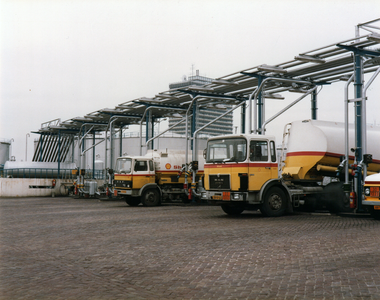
point(159, 176)
point(241, 170)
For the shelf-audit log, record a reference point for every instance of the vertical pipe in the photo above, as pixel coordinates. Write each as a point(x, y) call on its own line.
point(259, 106)
point(147, 117)
point(93, 155)
point(314, 105)
point(243, 111)
point(111, 144)
point(121, 141)
point(152, 130)
point(193, 124)
point(82, 163)
point(140, 133)
point(73, 150)
point(346, 129)
point(358, 118)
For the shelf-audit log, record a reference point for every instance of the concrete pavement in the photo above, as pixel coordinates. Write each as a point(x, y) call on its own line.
point(64, 248)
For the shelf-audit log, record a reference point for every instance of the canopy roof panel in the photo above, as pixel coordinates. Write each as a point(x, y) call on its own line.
point(324, 65)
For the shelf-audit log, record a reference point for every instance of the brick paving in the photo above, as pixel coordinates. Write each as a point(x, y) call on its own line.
point(64, 248)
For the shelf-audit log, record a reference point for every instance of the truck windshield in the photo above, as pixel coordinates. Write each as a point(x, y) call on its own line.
point(227, 150)
point(123, 165)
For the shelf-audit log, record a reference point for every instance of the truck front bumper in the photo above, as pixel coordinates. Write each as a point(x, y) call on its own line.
point(224, 196)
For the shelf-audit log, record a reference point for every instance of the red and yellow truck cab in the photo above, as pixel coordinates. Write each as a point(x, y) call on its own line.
point(238, 168)
point(153, 178)
point(372, 195)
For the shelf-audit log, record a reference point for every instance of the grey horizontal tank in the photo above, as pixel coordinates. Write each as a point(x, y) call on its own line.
point(26, 169)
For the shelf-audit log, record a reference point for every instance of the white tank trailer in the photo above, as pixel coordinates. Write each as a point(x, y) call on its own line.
point(172, 160)
point(315, 148)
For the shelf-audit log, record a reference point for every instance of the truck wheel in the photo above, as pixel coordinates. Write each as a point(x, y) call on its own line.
point(133, 201)
point(232, 210)
point(336, 200)
point(274, 204)
point(150, 197)
point(375, 213)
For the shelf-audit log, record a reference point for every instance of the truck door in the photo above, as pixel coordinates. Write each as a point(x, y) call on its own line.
point(260, 163)
point(143, 173)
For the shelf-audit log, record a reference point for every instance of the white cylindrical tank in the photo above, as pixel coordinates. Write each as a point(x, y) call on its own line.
point(172, 160)
point(314, 144)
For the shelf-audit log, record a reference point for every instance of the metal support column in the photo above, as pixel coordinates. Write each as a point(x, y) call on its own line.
point(193, 123)
point(152, 130)
point(243, 110)
point(358, 124)
point(121, 141)
point(93, 155)
point(73, 150)
point(82, 150)
point(314, 105)
point(147, 123)
point(259, 117)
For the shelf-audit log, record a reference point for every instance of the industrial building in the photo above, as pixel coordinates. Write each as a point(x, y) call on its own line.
point(203, 113)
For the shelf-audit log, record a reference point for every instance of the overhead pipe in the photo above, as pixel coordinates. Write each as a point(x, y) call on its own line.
point(194, 153)
point(187, 113)
point(171, 127)
point(80, 159)
point(109, 126)
point(346, 130)
point(195, 149)
point(260, 88)
point(287, 107)
point(141, 121)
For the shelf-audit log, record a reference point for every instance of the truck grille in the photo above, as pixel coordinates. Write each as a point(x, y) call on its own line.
point(219, 182)
point(123, 184)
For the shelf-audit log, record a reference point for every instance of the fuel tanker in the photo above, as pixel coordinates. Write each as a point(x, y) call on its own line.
point(158, 176)
point(241, 170)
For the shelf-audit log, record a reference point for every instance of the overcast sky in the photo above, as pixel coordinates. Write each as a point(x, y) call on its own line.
point(62, 59)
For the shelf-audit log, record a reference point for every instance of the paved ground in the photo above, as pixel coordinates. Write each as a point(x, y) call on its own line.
point(63, 248)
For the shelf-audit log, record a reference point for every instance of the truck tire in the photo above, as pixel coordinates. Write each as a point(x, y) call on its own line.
point(135, 201)
point(274, 204)
point(232, 210)
point(375, 213)
point(336, 200)
point(150, 197)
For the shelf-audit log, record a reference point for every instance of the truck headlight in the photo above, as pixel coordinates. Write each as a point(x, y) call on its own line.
point(236, 196)
point(203, 195)
point(367, 191)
